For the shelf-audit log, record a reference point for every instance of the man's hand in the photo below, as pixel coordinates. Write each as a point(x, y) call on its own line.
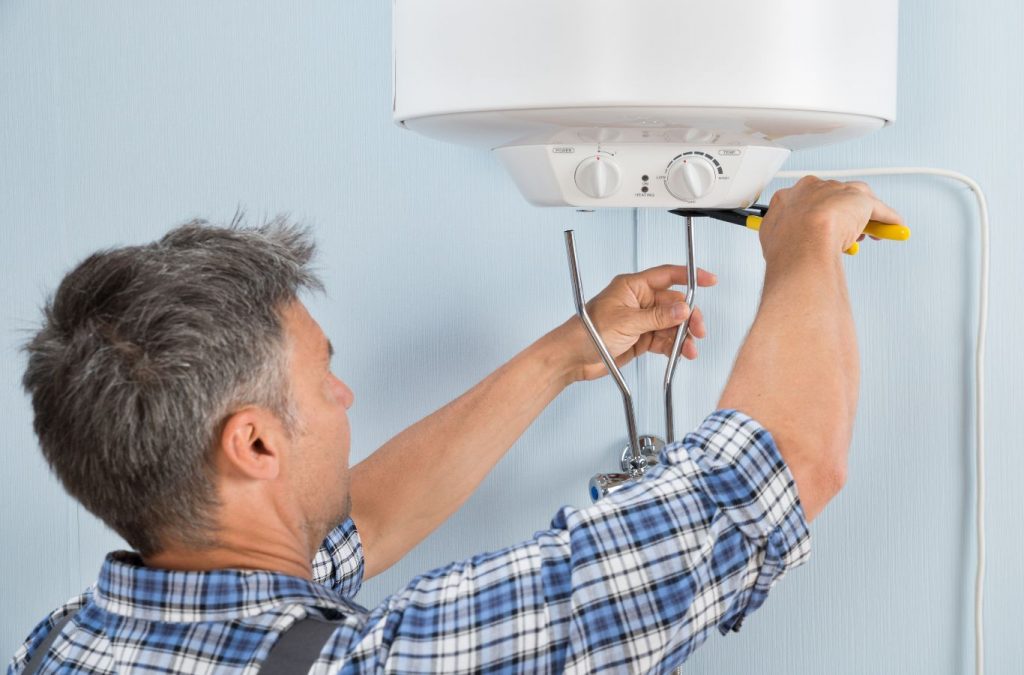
point(819, 218)
point(636, 313)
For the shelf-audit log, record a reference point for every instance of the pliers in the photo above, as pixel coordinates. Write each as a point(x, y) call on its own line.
point(751, 218)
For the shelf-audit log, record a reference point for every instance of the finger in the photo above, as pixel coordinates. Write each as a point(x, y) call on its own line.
point(669, 298)
point(689, 349)
point(663, 316)
point(663, 345)
point(884, 213)
point(659, 316)
point(663, 341)
point(665, 276)
point(698, 330)
point(697, 327)
point(880, 211)
point(666, 338)
point(667, 334)
point(660, 344)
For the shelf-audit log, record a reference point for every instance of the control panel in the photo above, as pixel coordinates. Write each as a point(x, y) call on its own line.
point(642, 174)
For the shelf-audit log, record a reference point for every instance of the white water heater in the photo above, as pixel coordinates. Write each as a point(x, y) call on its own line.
point(663, 103)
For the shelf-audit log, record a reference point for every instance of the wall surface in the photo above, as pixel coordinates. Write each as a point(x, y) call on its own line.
point(120, 119)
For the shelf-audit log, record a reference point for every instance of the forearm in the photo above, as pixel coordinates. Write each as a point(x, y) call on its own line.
point(412, 483)
point(416, 480)
point(798, 373)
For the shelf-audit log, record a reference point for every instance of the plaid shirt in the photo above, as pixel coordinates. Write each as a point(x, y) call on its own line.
point(633, 583)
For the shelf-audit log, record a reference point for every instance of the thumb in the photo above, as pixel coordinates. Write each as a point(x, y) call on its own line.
point(663, 316)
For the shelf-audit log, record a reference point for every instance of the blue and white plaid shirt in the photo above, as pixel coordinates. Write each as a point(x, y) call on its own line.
point(633, 583)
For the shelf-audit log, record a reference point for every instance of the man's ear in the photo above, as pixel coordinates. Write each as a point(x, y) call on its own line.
point(252, 444)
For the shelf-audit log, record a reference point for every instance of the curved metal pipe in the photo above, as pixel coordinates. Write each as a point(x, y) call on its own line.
point(681, 332)
point(639, 463)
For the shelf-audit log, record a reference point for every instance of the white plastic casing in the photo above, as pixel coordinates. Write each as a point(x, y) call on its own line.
point(643, 80)
point(547, 174)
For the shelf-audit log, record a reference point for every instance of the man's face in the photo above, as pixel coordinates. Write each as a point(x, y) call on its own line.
point(318, 465)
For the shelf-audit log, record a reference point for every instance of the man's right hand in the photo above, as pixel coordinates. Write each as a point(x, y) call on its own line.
point(819, 217)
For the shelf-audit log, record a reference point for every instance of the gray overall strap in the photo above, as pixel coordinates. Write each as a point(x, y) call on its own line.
point(297, 649)
point(294, 652)
point(40, 653)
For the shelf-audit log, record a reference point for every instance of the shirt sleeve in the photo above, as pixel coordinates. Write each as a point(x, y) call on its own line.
point(633, 583)
point(339, 562)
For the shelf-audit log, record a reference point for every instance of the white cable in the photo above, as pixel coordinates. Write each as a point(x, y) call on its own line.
point(979, 372)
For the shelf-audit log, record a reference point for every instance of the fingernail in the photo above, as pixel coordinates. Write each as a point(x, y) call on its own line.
point(679, 310)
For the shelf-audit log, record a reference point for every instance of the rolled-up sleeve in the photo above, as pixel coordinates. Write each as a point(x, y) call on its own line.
point(735, 463)
point(633, 583)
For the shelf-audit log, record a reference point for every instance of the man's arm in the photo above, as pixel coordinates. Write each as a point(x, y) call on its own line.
point(638, 580)
point(633, 583)
point(445, 456)
point(798, 370)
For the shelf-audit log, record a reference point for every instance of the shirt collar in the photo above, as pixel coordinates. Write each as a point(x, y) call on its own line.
point(129, 588)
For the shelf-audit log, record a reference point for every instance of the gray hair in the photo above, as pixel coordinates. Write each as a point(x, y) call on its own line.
point(145, 351)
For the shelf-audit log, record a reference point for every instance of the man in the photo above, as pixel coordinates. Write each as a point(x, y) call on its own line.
point(183, 394)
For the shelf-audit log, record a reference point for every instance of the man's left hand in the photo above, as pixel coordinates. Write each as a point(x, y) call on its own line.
point(636, 313)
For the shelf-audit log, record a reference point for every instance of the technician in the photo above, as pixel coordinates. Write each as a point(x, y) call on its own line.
point(183, 394)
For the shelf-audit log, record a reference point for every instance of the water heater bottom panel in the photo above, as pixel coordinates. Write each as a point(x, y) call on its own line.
point(641, 174)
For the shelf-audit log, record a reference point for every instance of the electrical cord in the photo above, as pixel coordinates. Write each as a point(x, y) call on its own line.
point(979, 370)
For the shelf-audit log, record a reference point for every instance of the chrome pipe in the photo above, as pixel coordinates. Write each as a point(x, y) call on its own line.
point(639, 462)
point(681, 332)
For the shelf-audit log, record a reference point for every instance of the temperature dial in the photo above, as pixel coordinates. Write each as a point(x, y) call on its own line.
point(598, 177)
point(690, 177)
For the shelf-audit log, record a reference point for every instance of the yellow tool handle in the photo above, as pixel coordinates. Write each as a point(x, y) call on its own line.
point(873, 228)
point(887, 231)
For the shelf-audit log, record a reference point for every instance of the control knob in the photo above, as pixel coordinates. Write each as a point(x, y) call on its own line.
point(598, 176)
point(690, 177)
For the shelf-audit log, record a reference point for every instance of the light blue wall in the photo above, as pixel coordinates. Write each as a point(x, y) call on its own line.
point(120, 119)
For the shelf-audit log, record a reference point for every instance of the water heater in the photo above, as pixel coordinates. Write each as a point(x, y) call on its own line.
point(632, 103)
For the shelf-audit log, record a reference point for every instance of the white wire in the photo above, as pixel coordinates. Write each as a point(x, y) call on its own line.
point(979, 372)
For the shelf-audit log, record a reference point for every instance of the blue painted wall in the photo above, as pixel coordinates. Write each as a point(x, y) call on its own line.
point(120, 119)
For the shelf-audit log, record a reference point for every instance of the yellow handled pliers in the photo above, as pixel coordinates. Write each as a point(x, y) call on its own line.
point(751, 218)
